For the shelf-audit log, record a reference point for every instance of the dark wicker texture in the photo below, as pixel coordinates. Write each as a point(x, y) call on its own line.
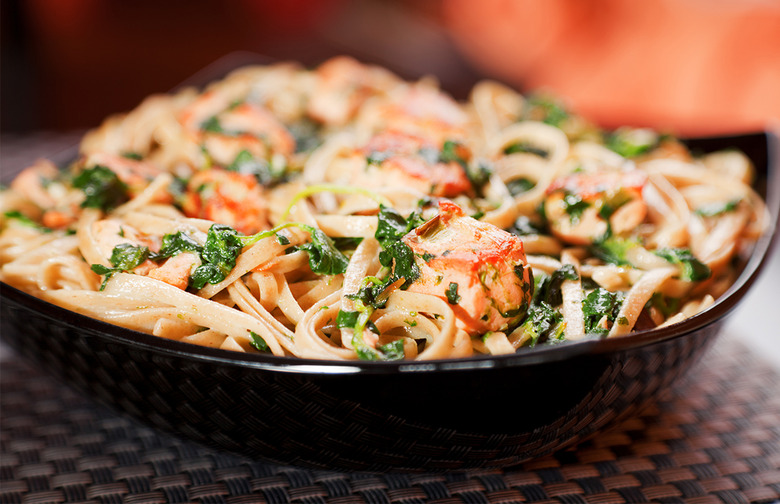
point(714, 438)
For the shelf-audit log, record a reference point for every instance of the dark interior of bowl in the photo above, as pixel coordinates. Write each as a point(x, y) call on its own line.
point(410, 416)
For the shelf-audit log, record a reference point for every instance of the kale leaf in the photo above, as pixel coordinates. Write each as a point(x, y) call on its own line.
point(525, 147)
point(102, 188)
point(598, 304)
point(717, 208)
point(543, 323)
point(258, 342)
point(548, 287)
point(520, 185)
point(124, 257)
point(245, 163)
point(545, 109)
point(400, 257)
point(219, 253)
point(631, 142)
point(692, 269)
point(175, 243)
point(324, 257)
point(391, 227)
point(613, 249)
point(452, 293)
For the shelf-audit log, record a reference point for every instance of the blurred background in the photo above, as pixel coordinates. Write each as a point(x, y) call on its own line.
point(685, 66)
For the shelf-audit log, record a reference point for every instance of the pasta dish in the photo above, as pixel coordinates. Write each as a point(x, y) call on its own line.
point(342, 212)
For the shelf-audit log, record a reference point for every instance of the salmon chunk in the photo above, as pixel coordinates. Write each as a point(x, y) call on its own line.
point(478, 268)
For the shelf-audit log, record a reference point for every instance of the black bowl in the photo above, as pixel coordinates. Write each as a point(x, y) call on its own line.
point(477, 412)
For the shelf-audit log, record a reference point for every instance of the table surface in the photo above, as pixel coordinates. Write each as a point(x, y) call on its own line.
point(714, 438)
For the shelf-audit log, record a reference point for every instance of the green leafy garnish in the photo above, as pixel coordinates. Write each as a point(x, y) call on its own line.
point(718, 208)
point(524, 226)
point(614, 249)
point(376, 158)
point(543, 323)
point(124, 257)
point(525, 147)
point(258, 342)
point(399, 256)
point(392, 351)
point(175, 243)
point(631, 142)
point(574, 205)
point(347, 319)
point(324, 257)
point(452, 293)
point(102, 188)
point(263, 170)
point(212, 125)
point(520, 185)
point(25, 221)
point(347, 242)
point(545, 109)
point(391, 227)
point(598, 304)
point(692, 269)
point(548, 287)
point(449, 153)
point(307, 135)
point(665, 304)
point(219, 253)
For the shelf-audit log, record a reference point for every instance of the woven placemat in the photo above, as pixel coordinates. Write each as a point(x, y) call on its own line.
point(714, 438)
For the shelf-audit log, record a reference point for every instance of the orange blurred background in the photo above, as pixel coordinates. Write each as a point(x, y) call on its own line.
point(686, 66)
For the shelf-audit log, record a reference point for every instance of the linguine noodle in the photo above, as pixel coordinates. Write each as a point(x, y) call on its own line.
point(344, 213)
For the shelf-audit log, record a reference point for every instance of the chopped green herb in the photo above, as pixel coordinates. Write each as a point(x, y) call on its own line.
point(347, 242)
point(219, 253)
point(718, 208)
point(524, 226)
point(452, 293)
point(545, 109)
point(614, 249)
point(376, 158)
point(525, 147)
point(347, 319)
point(212, 125)
point(400, 258)
point(449, 153)
point(598, 304)
point(428, 256)
point(692, 269)
point(543, 323)
point(102, 188)
point(24, 220)
point(258, 342)
point(574, 205)
point(324, 257)
point(548, 288)
point(392, 351)
point(283, 240)
point(665, 304)
point(263, 170)
point(175, 243)
point(520, 185)
point(307, 135)
point(124, 257)
point(631, 142)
